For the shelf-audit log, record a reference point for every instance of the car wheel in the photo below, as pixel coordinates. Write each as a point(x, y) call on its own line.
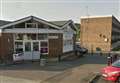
point(118, 80)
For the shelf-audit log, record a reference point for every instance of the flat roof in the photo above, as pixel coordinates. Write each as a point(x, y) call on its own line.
point(83, 17)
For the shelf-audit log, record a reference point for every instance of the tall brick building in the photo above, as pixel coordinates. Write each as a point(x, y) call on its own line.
point(100, 33)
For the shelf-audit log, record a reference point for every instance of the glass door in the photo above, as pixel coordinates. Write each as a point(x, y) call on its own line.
point(27, 50)
point(35, 50)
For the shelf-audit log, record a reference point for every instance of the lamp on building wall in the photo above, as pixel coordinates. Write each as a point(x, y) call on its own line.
point(106, 39)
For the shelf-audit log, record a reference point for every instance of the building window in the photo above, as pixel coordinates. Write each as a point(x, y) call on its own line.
point(44, 44)
point(68, 42)
point(44, 47)
point(18, 47)
point(31, 25)
point(35, 46)
point(27, 46)
point(30, 37)
point(19, 37)
point(100, 35)
point(98, 49)
point(42, 36)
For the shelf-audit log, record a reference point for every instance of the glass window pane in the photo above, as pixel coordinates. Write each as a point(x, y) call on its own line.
point(44, 44)
point(42, 36)
point(19, 37)
point(19, 47)
point(31, 25)
point(30, 37)
point(35, 46)
point(33, 36)
point(27, 46)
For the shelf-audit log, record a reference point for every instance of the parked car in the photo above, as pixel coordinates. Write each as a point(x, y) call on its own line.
point(80, 50)
point(112, 72)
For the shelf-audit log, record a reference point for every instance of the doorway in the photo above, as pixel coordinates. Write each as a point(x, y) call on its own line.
point(31, 50)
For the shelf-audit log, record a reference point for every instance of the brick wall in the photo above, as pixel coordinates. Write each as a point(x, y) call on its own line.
point(96, 33)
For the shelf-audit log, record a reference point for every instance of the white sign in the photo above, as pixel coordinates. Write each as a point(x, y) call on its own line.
point(53, 37)
point(18, 57)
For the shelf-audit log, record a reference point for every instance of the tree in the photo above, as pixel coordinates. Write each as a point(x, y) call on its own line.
point(78, 30)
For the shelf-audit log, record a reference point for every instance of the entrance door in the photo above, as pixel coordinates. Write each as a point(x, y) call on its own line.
point(27, 50)
point(35, 50)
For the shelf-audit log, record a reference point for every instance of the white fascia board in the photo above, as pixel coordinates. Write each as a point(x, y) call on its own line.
point(84, 17)
point(42, 21)
point(32, 30)
point(16, 22)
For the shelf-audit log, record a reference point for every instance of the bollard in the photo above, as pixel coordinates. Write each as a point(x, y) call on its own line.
point(109, 61)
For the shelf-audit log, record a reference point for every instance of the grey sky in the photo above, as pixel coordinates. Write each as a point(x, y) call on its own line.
point(57, 9)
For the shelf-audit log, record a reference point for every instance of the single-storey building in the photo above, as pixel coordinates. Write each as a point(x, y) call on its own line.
point(32, 35)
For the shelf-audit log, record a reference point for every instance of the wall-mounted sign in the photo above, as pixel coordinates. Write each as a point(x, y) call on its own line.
point(53, 37)
point(44, 50)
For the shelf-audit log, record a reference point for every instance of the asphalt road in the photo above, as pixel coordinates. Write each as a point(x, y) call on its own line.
point(70, 70)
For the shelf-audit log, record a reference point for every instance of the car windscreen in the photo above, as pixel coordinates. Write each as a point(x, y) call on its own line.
point(116, 63)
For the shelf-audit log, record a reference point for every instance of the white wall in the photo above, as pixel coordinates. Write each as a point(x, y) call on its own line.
point(68, 48)
point(67, 38)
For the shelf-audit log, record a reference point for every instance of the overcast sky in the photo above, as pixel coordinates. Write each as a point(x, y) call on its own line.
point(57, 9)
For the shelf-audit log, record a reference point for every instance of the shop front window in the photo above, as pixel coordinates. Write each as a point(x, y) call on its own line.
point(35, 46)
point(19, 47)
point(44, 47)
point(44, 44)
point(27, 46)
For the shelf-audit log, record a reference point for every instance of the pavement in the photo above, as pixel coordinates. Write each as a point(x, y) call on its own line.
point(101, 80)
point(70, 70)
